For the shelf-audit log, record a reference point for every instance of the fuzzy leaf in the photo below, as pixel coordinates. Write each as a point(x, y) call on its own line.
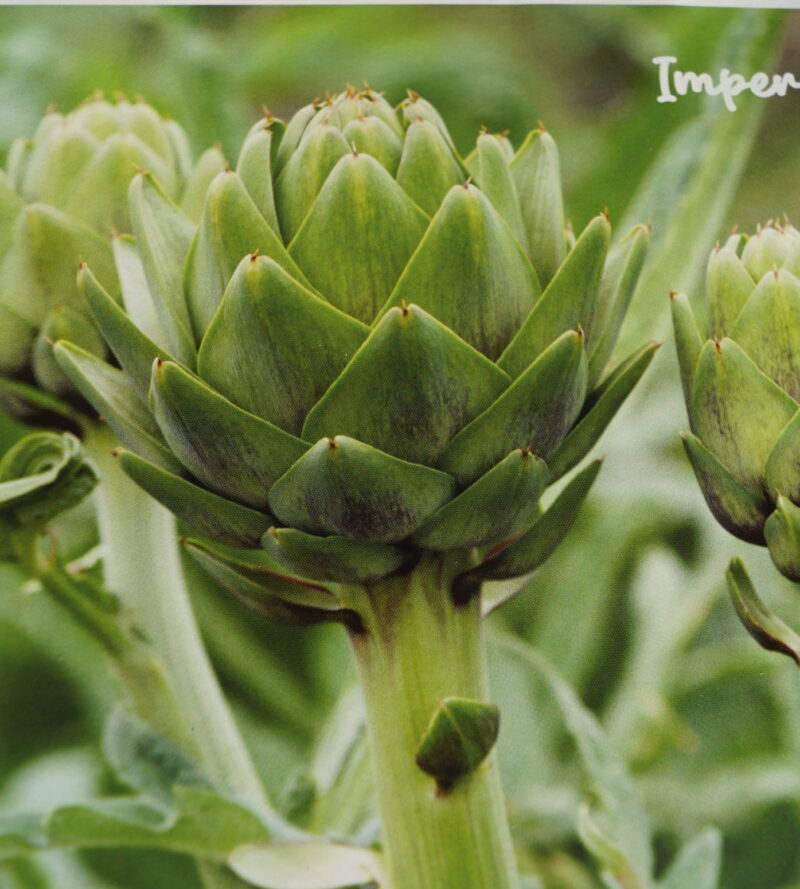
point(311, 865)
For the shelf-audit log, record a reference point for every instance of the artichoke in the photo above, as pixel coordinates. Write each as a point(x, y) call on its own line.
point(742, 387)
point(367, 349)
point(62, 195)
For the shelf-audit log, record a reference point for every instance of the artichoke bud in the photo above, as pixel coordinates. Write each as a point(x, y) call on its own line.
point(782, 532)
point(62, 323)
point(352, 360)
point(742, 391)
point(65, 191)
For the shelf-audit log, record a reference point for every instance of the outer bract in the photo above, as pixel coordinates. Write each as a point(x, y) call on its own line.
point(368, 348)
point(62, 195)
point(742, 387)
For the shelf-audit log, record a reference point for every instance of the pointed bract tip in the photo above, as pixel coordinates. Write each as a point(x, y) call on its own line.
point(412, 95)
point(354, 149)
point(115, 452)
point(332, 445)
point(254, 255)
point(606, 213)
point(273, 532)
point(541, 126)
point(775, 272)
point(579, 331)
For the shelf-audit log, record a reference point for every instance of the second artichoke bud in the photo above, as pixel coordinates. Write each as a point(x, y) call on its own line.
point(741, 389)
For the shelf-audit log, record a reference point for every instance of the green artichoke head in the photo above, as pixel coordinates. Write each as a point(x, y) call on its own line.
point(369, 347)
point(742, 387)
point(62, 195)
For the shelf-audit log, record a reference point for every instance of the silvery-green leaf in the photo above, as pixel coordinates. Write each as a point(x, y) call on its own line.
point(136, 296)
point(470, 273)
point(408, 390)
point(358, 236)
point(343, 487)
point(273, 347)
point(697, 864)
point(312, 865)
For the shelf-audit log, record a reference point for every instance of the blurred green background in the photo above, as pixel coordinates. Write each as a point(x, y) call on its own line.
point(632, 610)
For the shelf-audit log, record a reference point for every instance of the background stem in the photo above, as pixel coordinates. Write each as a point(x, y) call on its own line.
point(142, 566)
point(418, 648)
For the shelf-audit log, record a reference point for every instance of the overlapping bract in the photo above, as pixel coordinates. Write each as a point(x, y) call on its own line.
point(62, 195)
point(742, 387)
point(367, 347)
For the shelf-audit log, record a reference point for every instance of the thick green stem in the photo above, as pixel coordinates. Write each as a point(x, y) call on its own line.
point(142, 566)
point(416, 649)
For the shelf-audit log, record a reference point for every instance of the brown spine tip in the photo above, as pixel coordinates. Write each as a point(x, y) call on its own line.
point(775, 272)
point(467, 183)
point(526, 452)
point(159, 362)
point(115, 452)
point(254, 255)
point(332, 444)
point(606, 213)
point(412, 95)
point(579, 331)
point(404, 309)
point(542, 127)
point(354, 149)
point(273, 532)
point(717, 344)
